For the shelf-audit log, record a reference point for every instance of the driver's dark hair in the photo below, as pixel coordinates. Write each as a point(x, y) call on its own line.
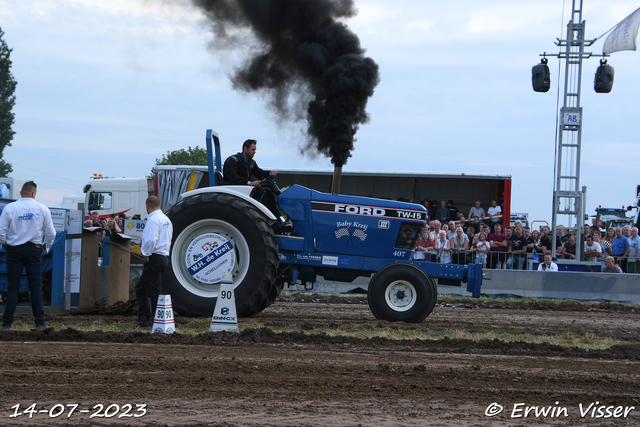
point(248, 143)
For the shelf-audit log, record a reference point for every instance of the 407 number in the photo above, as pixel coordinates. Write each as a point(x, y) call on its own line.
point(399, 254)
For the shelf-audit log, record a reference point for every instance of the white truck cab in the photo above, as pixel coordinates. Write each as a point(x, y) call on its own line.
point(109, 196)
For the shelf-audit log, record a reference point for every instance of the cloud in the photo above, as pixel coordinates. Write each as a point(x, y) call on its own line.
point(418, 26)
point(152, 17)
point(506, 18)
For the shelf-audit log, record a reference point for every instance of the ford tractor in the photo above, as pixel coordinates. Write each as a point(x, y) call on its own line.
point(220, 229)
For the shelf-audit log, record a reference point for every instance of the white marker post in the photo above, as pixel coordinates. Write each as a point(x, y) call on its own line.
point(163, 322)
point(224, 315)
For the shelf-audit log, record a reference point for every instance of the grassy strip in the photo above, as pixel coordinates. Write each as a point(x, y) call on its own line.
point(200, 325)
point(586, 341)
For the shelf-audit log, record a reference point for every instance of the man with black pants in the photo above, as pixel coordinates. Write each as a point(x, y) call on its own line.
point(156, 242)
point(517, 249)
point(22, 226)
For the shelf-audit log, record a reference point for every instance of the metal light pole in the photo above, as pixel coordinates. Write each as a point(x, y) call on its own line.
point(569, 198)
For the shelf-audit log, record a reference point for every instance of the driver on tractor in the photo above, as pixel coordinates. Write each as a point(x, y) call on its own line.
point(240, 168)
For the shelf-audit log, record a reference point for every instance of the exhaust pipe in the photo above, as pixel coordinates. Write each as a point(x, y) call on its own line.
point(337, 178)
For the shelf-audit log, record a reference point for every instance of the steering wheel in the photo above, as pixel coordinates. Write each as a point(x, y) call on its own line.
point(270, 182)
point(271, 179)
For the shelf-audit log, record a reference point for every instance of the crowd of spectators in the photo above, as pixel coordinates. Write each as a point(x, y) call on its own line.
point(450, 237)
point(107, 227)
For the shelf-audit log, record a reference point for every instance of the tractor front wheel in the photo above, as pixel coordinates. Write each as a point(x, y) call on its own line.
point(401, 292)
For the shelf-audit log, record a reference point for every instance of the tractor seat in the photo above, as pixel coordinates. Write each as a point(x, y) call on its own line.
point(220, 179)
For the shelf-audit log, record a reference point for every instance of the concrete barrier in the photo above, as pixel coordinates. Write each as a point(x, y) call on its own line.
point(581, 286)
point(562, 284)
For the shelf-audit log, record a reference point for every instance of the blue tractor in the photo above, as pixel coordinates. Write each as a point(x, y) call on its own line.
point(221, 229)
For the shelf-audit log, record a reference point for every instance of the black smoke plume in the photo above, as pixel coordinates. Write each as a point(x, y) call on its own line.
point(307, 63)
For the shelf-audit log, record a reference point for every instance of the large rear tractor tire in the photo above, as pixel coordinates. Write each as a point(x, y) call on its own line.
point(214, 234)
point(401, 292)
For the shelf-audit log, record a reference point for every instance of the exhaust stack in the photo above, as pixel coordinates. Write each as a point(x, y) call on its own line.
point(337, 178)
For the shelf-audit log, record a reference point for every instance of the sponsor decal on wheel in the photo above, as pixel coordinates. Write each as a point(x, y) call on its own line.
point(209, 256)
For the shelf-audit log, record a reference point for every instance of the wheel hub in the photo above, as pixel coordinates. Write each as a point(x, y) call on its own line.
point(401, 295)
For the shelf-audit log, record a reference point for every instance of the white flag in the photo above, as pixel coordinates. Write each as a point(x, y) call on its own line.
point(623, 36)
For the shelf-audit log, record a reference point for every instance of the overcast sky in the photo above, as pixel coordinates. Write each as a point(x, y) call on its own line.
point(109, 86)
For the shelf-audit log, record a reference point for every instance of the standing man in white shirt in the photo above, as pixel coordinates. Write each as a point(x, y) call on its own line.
point(156, 242)
point(494, 210)
point(22, 226)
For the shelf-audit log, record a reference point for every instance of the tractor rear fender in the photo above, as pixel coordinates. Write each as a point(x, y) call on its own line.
point(240, 191)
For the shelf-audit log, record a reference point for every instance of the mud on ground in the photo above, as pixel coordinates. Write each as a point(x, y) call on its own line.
point(259, 377)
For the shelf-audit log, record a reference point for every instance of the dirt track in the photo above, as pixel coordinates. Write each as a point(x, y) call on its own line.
point(258, 377)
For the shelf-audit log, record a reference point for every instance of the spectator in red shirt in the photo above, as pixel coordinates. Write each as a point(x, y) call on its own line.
point(498, 243)
point(425, 245)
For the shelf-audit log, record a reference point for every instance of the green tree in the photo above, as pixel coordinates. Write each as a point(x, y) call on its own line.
point(7, 101)
point(191, 156)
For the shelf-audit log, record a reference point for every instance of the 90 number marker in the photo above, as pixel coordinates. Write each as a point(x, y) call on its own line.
point(98, 411)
